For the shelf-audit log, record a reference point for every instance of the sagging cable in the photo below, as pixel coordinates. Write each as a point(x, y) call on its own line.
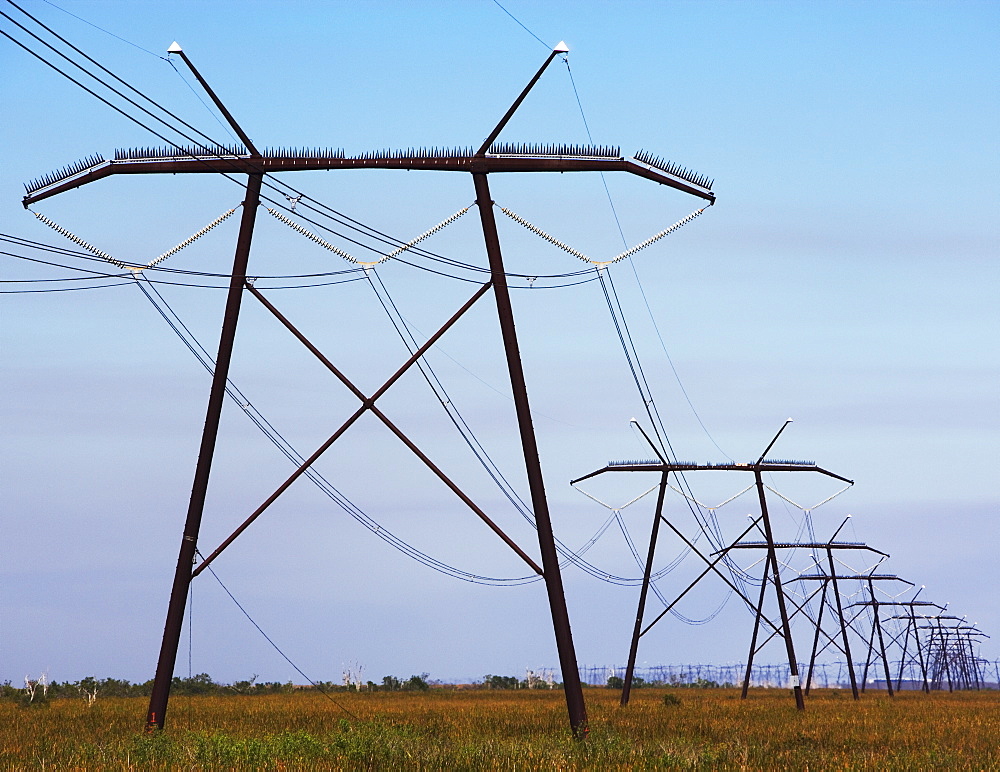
point(608, 506)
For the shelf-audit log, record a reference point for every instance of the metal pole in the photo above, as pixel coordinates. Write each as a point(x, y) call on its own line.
point(868, 658)
point(756, 629)
point(634, 648)
point(843, 626)
point(182, 576)
point(881, 640)
point(902, 657)
point(943, 647)
point(920, 653)
point(819, 624)
point(785, 627)
point(546, 541)
point(176, 49)
point(559, 49)
point(976, 673)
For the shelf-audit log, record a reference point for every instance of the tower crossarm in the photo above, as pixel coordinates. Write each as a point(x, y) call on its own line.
point(852, 577)
point(903, 603)
point(841, 545)
point(173, 161)
point(677, 466)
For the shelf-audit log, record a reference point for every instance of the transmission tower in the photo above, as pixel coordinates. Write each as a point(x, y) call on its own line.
point(950, 653)
point(256, 164)
point(772, 572)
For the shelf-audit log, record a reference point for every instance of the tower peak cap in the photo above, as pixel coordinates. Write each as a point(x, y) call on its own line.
point(175, 48)
point(561, 47)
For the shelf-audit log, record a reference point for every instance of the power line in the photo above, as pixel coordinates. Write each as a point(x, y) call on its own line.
point(132, 102)
point(90, 23)
point(329, 213)
point(268, 429)
point(353, 223)
point(521, 25)
point(275, 646)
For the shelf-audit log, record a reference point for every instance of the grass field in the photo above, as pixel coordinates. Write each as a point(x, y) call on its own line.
point(440, 729)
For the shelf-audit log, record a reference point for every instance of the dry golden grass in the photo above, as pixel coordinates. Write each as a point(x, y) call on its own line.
point(709, 729)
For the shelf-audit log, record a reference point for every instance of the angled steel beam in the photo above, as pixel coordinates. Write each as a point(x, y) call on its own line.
point(539, 504)
point(793, 666)
point(647, 572)
point(639, 631)
point(560, 48)
point(711, 566)
point(812, 656)
point(176, 49)
point(368, 403)
point(156, 714)
point(881, 639)
point(758, 616)
point(843, 626)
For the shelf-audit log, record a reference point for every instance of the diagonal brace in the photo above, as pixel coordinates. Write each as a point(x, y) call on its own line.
point(368, 403)
point(711, 566)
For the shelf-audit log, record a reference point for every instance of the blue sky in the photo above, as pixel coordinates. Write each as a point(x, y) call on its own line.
point(847, 278)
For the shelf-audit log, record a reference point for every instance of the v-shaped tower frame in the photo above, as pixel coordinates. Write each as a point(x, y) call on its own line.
point(480, 164)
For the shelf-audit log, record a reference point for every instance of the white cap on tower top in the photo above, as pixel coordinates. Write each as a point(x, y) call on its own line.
point(175, 48)
point(561, 47)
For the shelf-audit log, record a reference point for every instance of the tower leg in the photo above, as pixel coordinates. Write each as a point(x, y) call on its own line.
point(786, 628)
point(634, 648)
point(546, 541)
point(156, 714)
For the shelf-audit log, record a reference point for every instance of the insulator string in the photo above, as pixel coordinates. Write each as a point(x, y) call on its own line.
point(77, 240)
point(600, 263)
point(190, 240)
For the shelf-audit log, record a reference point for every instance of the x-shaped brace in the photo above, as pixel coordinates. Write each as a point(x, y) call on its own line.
point(368, 405)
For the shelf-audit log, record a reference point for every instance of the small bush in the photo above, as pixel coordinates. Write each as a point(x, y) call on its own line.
point(502, 682)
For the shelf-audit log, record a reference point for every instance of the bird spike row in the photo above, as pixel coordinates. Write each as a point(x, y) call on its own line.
point(88, 163)
point(422, 152)
point(788, 462)
point(635, 462)
point(675, 169)
point(303, 152)
point(178, 151)
point(561, 151)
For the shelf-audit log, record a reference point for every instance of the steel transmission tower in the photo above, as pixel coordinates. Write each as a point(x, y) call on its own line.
point(256, 164)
